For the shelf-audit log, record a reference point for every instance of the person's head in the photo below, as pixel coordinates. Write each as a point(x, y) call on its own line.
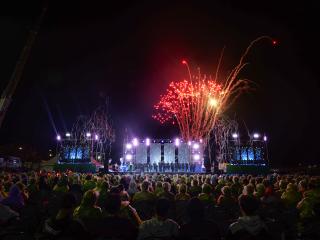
point(195, 209)
point(235, 179)
point(89, 198)
point(248, 205)
point(226, 191)
point(282, 184)
point(145, 186)
point(260, 188)
point(194, 182)
point(182, 188)
point(291, 187)
point(21, 186)
point(113, 203)
point(206, 188)
point(302, 186)
point(248, 190)
point(162, 207)
point(166, 186)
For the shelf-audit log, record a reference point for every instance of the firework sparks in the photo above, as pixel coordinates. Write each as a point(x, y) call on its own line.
point(195, 104)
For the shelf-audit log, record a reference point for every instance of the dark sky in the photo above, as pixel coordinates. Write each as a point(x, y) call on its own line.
point(87, 50)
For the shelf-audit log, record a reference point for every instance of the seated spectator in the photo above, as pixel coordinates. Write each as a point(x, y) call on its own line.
point(206, 196)
point(310, 226)
point(166, 192)
point(132, 188)
point(158, 188)
point(145, 194)
point(282, 188)
point(103, 192)
point(248, 190)
point(249, 225)
point(112, 225)
point(123, 193)
point(260, 189)
point(198, 227)
point(7, 214)
point(236, 187)
point(182, 195)
point(160, 226)
point(61, 186)
point(14, 200)
point(89, 183)
point(195, 189)
point(88, 208)
point(269, 198)
point(226, 199)
point(60, 224)
point(291, 196)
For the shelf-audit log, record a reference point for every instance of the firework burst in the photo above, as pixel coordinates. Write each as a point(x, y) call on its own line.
point(196, 104)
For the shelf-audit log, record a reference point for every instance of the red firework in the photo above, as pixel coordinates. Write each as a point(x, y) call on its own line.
point(196, 104)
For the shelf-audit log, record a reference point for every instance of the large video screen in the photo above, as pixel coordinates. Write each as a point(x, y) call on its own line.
point(75, 154)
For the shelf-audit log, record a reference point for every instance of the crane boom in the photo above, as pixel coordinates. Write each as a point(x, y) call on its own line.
point(7, 94)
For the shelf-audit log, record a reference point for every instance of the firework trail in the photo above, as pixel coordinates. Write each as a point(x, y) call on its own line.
point(196, 104)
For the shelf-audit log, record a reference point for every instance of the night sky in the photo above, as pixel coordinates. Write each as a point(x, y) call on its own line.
point(129, 52)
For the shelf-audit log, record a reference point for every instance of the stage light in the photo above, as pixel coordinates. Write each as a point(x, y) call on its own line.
point(189, 143)
point(213, 102)
point(148, 142)
point(265, 138)
point(256, 135)
point(196, 157)
point(184, 62)
point(20, 148)
point(177, 142)
point(274, 42)
point(96, 137)
point(88, 134)
point(129, 146)
point(201, 140)
point(68, 134)
point(129, 157)
point(58, 137)
point(99, 157)
point(135, 142)
point(235, 135)
point(196, 146)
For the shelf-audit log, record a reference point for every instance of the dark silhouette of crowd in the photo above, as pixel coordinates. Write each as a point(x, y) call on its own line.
point(69, 205)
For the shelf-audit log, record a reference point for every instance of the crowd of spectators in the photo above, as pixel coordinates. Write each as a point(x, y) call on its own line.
point(69, 205)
